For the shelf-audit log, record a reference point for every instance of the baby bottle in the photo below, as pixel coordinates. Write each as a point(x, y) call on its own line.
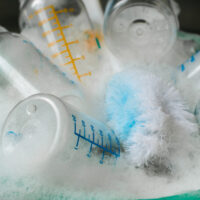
point(43, 127)
point(97, 15)
point(63, 31)
point(186, 78)
point(24, 71)
point(27, 70)
point(140, 31)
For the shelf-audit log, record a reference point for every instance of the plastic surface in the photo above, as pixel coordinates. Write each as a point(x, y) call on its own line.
point(190, 72)
point(186, 78)
point(2, 29)
point(97, 16)
point(191, 67)
point(63, 32)
point(43, 125)
point(26, 69)
point(140, 31)
point(190, 37)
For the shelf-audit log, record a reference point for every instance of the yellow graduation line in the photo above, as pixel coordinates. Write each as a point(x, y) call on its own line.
point(55, 42)
point(60, 29)
point(40, 23)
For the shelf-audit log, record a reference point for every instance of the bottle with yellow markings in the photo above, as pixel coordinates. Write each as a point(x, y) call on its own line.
point(63, 32)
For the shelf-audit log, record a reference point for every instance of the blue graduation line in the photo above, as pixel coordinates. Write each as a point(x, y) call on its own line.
point(17, 136)
point(12, 133)
point(83, 124)
point(192, 59)
point(182, 67)
point(91, 140)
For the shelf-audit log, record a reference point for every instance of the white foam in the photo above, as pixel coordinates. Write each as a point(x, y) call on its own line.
point(88, 178)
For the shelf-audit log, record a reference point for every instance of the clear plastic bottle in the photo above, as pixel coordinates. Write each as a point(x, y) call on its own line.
point(21, 3)
point(191, 67)
point(63, 31)
point(27, 70)
point(140, 31)
point(43, 127)
point(24, 71)
point(97, 15)
point(186, 78)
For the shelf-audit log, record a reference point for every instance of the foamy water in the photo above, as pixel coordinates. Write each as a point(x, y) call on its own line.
point(85, 178)
point(90, 180)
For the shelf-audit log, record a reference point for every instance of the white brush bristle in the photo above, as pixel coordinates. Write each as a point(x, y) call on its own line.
point(161, 124)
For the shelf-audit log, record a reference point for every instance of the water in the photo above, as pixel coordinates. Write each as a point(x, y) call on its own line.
point(121, 181)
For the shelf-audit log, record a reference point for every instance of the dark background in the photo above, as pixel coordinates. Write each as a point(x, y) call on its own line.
point(189, 18)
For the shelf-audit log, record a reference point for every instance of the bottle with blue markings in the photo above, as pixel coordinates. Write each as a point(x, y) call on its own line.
point(187, 80)
point(191, 71)
point(191, 67)
point(43, 127)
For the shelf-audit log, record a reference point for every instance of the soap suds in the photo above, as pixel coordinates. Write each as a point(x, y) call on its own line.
point(87, 179)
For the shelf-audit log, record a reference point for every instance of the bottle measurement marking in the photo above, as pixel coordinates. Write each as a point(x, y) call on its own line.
point(63, 38)
point(16, 137)
point(95, 142)
point(12, 133)
point(191, 61)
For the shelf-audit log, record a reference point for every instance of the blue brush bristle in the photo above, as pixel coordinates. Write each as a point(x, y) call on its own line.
point(149, 117)
point(123, 105)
